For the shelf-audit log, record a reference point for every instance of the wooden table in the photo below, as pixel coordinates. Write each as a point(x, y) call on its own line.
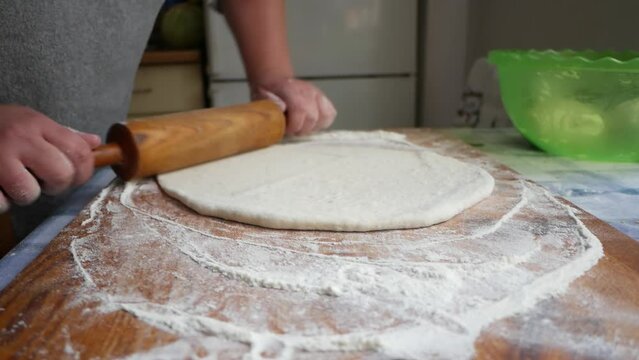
point(58, 307)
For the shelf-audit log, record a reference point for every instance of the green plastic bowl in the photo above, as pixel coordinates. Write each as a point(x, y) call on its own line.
point(581, 104)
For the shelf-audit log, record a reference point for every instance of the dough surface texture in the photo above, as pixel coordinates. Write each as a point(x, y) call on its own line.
point(339, 181)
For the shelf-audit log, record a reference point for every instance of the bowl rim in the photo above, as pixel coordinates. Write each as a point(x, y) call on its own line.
point(609, 60)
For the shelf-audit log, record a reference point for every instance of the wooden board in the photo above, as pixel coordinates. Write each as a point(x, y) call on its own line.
point(51, 309)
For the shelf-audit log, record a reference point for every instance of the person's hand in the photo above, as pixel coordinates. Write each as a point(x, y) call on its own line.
point(306, 106)
point(39, 155)
point(259, 28)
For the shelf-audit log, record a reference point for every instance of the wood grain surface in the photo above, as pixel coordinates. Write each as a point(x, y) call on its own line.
point(49, 310)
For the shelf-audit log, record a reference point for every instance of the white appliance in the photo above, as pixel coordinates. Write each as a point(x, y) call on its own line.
point(361, 53)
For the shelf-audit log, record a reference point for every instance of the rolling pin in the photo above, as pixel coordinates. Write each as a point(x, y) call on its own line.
point(164, 143)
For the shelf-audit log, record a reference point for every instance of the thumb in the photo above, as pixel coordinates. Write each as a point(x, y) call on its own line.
point(265, 94)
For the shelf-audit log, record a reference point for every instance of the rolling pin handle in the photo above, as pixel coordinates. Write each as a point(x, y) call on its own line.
point(108, 154)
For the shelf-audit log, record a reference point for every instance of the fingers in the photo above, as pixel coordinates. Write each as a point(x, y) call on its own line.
point(49, 165)
point(76, 148)
point(303, 111)
point(39, 155)
point(327, 113)
point(17, 184)
point(311, 116)
point(307, 117)
point(92, 140)
point(301, 117)
point(295, 117)
point(265, 94)
point(294, 120)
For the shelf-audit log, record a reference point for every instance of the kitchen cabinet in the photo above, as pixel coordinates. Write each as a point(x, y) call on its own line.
point(166, 82)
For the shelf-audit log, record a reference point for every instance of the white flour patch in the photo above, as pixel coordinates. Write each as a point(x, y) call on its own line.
point(404, 294)
point(355, 136)
point(96, 205)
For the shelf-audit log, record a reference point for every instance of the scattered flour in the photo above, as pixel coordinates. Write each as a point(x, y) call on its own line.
point(96, 205)
point(404, 294)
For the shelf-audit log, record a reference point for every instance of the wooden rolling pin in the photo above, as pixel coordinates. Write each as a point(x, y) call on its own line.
point(164, 143)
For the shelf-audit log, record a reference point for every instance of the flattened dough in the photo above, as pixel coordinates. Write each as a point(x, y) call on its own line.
point(341, 181)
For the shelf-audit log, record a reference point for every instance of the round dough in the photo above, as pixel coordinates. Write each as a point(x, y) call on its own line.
point(342, 181)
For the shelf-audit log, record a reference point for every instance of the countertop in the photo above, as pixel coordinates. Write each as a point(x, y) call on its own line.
point(610, 191)
point(521, 275)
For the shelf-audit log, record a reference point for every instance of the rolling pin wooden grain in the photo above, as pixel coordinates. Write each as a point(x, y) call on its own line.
point(164, 143)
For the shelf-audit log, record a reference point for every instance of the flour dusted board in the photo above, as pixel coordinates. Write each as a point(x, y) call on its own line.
point(79, 296)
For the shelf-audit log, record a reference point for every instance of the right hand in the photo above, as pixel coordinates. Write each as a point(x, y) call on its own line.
point(308, 109)
point(38, 155)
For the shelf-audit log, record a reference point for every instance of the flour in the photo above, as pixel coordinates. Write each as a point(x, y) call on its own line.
point(350, 136)
point(404, 294)
point(96, 205)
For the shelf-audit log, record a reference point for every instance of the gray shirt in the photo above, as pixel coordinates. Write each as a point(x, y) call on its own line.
point(74, 61)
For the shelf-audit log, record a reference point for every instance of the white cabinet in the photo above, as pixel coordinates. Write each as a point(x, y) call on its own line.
point(361, 103)
point(362, 53)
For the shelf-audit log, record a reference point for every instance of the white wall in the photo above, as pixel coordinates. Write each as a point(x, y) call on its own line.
point(558, 24)
point(492, 24)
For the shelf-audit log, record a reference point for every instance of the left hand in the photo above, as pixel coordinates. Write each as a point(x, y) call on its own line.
point(308, 109)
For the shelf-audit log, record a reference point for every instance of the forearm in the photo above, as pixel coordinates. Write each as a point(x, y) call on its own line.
point(259, 27)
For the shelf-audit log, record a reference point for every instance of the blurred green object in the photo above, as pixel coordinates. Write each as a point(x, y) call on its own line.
point(581, 104)
point(182, 26)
